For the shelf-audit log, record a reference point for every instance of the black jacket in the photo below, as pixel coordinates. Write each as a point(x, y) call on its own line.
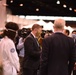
point(32, 53)
point(58, 55)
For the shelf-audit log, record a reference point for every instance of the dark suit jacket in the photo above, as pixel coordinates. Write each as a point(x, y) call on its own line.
point(58, 55)
point(32, 53)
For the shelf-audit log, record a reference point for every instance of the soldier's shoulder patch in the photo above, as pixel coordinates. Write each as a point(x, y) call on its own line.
point(12, 50)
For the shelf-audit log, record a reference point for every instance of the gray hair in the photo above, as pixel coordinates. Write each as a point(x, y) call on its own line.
point(59, 23)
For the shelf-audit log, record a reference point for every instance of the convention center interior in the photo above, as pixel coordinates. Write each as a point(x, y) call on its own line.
point(27, 12)
point(37, 37)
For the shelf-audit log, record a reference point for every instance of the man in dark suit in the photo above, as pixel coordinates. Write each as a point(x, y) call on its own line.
point(58, 52)
point(31, 61)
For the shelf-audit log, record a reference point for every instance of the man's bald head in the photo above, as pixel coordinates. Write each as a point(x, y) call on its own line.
point(59, 23)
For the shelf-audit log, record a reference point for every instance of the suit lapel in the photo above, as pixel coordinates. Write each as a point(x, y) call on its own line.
point(35, 39)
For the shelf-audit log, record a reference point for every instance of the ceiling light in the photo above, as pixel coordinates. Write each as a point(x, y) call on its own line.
point(74, 10)
point(64, 6)
point(21, 4)
point(51, 17)
point(22, 16)
point(37, 9)
point(70, 8)
point(11, 1)
point(58, 2)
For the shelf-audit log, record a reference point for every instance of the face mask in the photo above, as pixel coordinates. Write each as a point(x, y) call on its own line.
point(74, 36)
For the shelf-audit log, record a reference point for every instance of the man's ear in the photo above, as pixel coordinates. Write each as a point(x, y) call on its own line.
point(54, 27)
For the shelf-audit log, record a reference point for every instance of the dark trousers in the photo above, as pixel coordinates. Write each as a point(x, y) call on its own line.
point(21, 62)
point(29, 71)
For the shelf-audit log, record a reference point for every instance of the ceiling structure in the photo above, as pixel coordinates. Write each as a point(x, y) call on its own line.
point(42, 7)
